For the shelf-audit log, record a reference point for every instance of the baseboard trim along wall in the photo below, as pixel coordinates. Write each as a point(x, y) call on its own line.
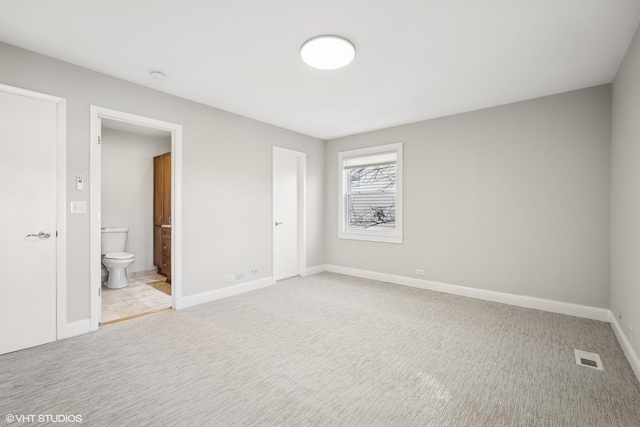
point(84, 326)
point(632, 357)
point(191, 300)
point(79, 327)
point(594, 313)
point(552, 306)
point(315, 270)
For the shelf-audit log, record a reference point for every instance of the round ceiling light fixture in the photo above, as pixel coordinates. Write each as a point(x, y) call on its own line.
point(327, 52)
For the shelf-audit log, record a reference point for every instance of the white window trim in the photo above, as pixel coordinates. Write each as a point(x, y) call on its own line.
point(373, 236)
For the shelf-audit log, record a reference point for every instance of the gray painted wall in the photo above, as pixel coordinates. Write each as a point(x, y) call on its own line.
point(512, 199)
point(226, 174)
point(625, 194)
point(127, 189)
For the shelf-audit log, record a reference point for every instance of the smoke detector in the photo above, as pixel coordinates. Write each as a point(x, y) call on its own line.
point(158, 75)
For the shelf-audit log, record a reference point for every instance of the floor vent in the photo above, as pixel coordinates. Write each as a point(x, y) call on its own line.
point(590, 360)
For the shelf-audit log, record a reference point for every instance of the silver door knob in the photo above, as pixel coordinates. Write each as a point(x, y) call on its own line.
point(41, 235)
point(278, 223)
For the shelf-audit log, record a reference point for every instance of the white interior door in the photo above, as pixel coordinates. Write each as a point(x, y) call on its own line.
point(28, 136)
point(97, 204)
point(286, 193)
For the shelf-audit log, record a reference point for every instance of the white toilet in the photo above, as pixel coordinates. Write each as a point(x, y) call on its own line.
point(114, 258)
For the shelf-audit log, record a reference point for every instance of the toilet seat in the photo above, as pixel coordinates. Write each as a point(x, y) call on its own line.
point(119, 256)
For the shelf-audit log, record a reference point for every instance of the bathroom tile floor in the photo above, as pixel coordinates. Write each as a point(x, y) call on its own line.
point(161, 285)
point(144, 295)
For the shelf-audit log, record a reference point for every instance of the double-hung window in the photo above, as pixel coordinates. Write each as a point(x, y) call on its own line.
point(371, 194)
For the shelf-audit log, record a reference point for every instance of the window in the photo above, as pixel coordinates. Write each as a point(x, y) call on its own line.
point(371, 194)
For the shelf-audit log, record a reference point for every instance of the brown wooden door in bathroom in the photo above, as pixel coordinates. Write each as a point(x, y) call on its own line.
point(162, 189)
point(162, 212)
point(166, 187)
point(157, 191)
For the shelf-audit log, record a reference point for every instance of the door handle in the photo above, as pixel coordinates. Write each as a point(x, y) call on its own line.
point(278, 223)
point(43, 235)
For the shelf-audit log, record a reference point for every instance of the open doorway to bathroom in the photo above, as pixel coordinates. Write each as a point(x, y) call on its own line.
point(135, 252)
point(135, 195)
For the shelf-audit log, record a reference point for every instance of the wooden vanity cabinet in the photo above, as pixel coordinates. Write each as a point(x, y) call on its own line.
point(166, 253)
point(157, 247)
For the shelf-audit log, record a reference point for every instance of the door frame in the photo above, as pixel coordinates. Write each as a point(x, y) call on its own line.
point(95, 185)
point(61, 201)
point(302, 213)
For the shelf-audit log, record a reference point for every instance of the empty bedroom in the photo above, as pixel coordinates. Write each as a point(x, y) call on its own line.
point(412, 213)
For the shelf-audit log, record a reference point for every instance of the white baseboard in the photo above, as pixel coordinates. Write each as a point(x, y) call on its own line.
point(552, 306)
point(577, 310)
point(632, 357)
point(315, 270)
point(76, 328)
point(137, 274)
point(191, 300)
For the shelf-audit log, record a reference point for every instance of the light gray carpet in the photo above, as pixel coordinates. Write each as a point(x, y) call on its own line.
point(330, 350)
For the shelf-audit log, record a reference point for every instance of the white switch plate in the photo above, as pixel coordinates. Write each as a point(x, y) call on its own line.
point(79, 182)
point(78, 207)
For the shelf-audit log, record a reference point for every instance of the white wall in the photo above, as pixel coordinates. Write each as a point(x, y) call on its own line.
point(625, 197)
point(226, 174)
point(127, 189)
point(511, 199)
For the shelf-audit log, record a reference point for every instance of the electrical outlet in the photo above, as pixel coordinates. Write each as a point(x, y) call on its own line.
point(239, 276)
point(630, 331)
point(254, 271)
point(419, 272)
point(228, 279)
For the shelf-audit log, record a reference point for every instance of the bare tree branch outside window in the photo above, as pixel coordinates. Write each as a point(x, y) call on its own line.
point(372, 196)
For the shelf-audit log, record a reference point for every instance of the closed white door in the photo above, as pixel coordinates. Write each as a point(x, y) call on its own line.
point(286, 192)
point(28, 136)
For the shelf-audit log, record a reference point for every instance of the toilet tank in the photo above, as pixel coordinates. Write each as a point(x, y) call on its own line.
point(113, 240)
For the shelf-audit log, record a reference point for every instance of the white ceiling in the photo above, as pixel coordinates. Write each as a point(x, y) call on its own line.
point(416, 59)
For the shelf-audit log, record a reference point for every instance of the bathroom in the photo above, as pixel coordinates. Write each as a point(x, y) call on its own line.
point(132, 284)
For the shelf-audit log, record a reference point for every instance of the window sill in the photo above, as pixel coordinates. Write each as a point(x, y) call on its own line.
point(371, 238)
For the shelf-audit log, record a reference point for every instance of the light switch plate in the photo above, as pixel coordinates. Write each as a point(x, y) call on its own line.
point(78, 207)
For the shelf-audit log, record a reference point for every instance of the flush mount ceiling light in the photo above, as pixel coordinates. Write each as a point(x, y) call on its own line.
point(327, 52)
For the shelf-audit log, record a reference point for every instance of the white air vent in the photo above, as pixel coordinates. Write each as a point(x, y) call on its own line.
point(590, 360)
